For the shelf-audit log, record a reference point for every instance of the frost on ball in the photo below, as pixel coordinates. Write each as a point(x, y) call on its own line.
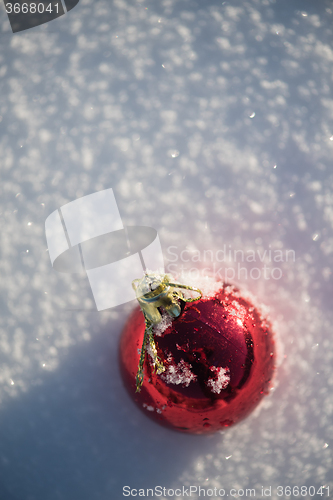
point(220, 381)
point(178, 374)
point(218, 359)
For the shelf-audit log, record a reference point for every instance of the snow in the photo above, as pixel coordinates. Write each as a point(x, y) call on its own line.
point(153, 100)
point(165, 322)
point(178, 374)
point(207, 285)
point(220, 380)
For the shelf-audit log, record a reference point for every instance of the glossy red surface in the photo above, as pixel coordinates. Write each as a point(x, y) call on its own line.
point(219, 359)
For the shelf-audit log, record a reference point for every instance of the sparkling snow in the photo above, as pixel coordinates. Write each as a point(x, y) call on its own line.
point(213, 123)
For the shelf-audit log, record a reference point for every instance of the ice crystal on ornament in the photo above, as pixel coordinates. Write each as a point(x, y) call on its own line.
point(208, 285)
point(179, 374)
point(221, 379)
point(165, 322)
point(148, 407)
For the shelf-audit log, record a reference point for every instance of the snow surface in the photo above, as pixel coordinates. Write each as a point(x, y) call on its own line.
point(212, 122)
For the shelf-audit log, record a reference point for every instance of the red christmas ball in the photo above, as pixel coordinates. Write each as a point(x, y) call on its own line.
point(219, 361)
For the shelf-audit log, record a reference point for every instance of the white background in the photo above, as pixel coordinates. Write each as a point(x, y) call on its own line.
point(154, 100)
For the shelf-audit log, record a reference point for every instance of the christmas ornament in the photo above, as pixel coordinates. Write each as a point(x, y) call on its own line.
point(195, 361)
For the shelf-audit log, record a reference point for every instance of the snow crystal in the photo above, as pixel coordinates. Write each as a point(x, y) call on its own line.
point(148, 407)
point(179, 374)
point(221, 379)
point(165, 322)
point(207, 285)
